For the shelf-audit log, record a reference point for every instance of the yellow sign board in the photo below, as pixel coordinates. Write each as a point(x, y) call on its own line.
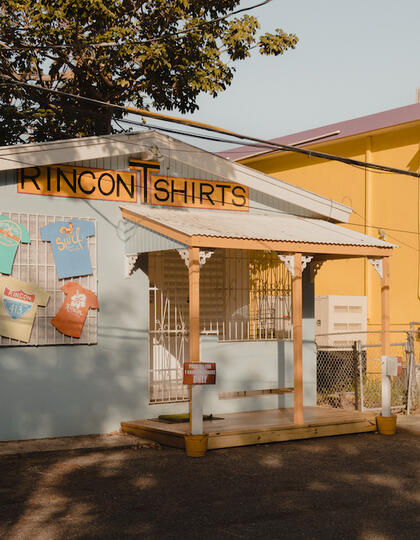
point(162, 190)
point(79, 182)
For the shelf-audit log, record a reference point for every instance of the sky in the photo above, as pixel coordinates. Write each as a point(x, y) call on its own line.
point(353, 59)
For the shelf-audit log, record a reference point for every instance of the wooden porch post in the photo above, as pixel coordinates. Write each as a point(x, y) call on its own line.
point(196, 409)
point(385, 317)
point(297, 339)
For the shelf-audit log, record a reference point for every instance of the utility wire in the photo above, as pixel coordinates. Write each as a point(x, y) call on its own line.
point(394, 230)
point(143, 42)
point(250, 206)
point(180, 132)
point(215, 129)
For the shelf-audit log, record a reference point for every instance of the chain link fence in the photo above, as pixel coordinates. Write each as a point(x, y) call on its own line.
point(351, 377)
point(337, 372)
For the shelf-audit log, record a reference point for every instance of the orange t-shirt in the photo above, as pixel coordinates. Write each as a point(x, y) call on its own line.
point(70, 318)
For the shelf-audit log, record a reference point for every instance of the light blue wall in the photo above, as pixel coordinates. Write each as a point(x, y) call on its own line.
point(70, 390)
point(240, 366)
point(256, 365)
point(51, 391)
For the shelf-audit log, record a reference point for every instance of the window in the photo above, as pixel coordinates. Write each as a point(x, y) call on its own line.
point(244, 296)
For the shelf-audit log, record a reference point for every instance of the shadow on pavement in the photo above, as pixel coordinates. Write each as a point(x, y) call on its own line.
point(358, 486)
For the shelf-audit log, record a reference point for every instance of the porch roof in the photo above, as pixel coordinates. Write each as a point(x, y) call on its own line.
point(242, 230)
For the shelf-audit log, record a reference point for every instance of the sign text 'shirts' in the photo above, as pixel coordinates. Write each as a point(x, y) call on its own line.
point(194, 193)
point(79, 183)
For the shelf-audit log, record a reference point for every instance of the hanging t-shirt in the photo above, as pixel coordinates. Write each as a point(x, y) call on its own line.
point(19, 303)
point(69, 246)
point(71, 316)
point(11, 234)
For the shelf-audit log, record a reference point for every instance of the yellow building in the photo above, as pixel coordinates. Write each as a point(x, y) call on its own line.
point(385, 205)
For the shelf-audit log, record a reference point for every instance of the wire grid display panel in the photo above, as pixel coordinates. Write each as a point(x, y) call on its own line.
point(34, 262)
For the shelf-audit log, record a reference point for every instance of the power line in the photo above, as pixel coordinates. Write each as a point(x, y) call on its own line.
point(143, 42)
point(265, 210)
point(215, 129)
point(268, 210)
point(180, 132)
point(394, 230)
point(381, 227)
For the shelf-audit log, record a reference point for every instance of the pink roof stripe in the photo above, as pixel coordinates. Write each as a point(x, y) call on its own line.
point(356, 126)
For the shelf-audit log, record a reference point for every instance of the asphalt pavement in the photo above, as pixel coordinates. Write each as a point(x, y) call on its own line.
point(364, 486)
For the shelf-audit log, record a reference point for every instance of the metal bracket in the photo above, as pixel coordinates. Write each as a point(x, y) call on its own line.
point(306, 259)
point(377, 265)
point(203, 256)
point(131, 264)
point(289, 261)
point(314, 269)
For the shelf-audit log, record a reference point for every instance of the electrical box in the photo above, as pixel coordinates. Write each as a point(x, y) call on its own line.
point(343, 318)
point(390, 365)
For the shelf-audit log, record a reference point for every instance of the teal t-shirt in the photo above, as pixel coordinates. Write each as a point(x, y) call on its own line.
point(11, 234)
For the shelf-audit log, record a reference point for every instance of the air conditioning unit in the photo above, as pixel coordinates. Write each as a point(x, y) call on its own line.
point(340, 320)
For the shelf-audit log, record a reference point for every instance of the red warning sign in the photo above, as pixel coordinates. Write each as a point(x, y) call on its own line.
point(200, 373)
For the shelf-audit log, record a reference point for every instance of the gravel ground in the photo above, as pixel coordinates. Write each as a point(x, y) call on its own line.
point(357, 486)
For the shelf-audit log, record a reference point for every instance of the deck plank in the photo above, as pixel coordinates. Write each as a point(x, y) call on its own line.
point(257, 427)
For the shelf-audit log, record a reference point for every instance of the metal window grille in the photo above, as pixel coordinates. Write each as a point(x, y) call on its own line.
point(168, 327)
point(244, 296)
point(34, 262)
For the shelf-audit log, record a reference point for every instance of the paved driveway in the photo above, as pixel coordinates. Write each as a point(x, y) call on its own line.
point(363, 486)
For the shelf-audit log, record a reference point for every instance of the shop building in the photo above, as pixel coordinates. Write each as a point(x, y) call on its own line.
point(138, 253)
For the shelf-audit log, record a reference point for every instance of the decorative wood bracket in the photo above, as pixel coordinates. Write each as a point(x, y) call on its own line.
point(131, 264)
point(289, 261)
point(306, 259)
point(314, 269)
point(377, 265)
point(184, 253)
point(204, 255)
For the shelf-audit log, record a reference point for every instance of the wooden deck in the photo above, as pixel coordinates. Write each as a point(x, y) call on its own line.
point(257, 427)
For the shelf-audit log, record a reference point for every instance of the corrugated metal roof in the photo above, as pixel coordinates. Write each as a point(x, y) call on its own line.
point(273, 226)
point(108, 146)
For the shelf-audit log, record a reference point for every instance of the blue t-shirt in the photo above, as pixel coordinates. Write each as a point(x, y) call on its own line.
point(69, 246)
point(11, 234)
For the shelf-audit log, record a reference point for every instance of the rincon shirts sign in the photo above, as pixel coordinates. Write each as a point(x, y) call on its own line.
point(79, 182)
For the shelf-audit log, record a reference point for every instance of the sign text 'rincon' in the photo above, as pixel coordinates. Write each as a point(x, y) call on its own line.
point(79, 182)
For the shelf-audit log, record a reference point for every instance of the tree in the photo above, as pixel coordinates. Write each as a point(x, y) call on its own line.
point(154, 53)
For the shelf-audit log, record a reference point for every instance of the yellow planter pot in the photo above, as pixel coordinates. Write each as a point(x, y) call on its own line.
point(195, 445)
point(387, 425)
